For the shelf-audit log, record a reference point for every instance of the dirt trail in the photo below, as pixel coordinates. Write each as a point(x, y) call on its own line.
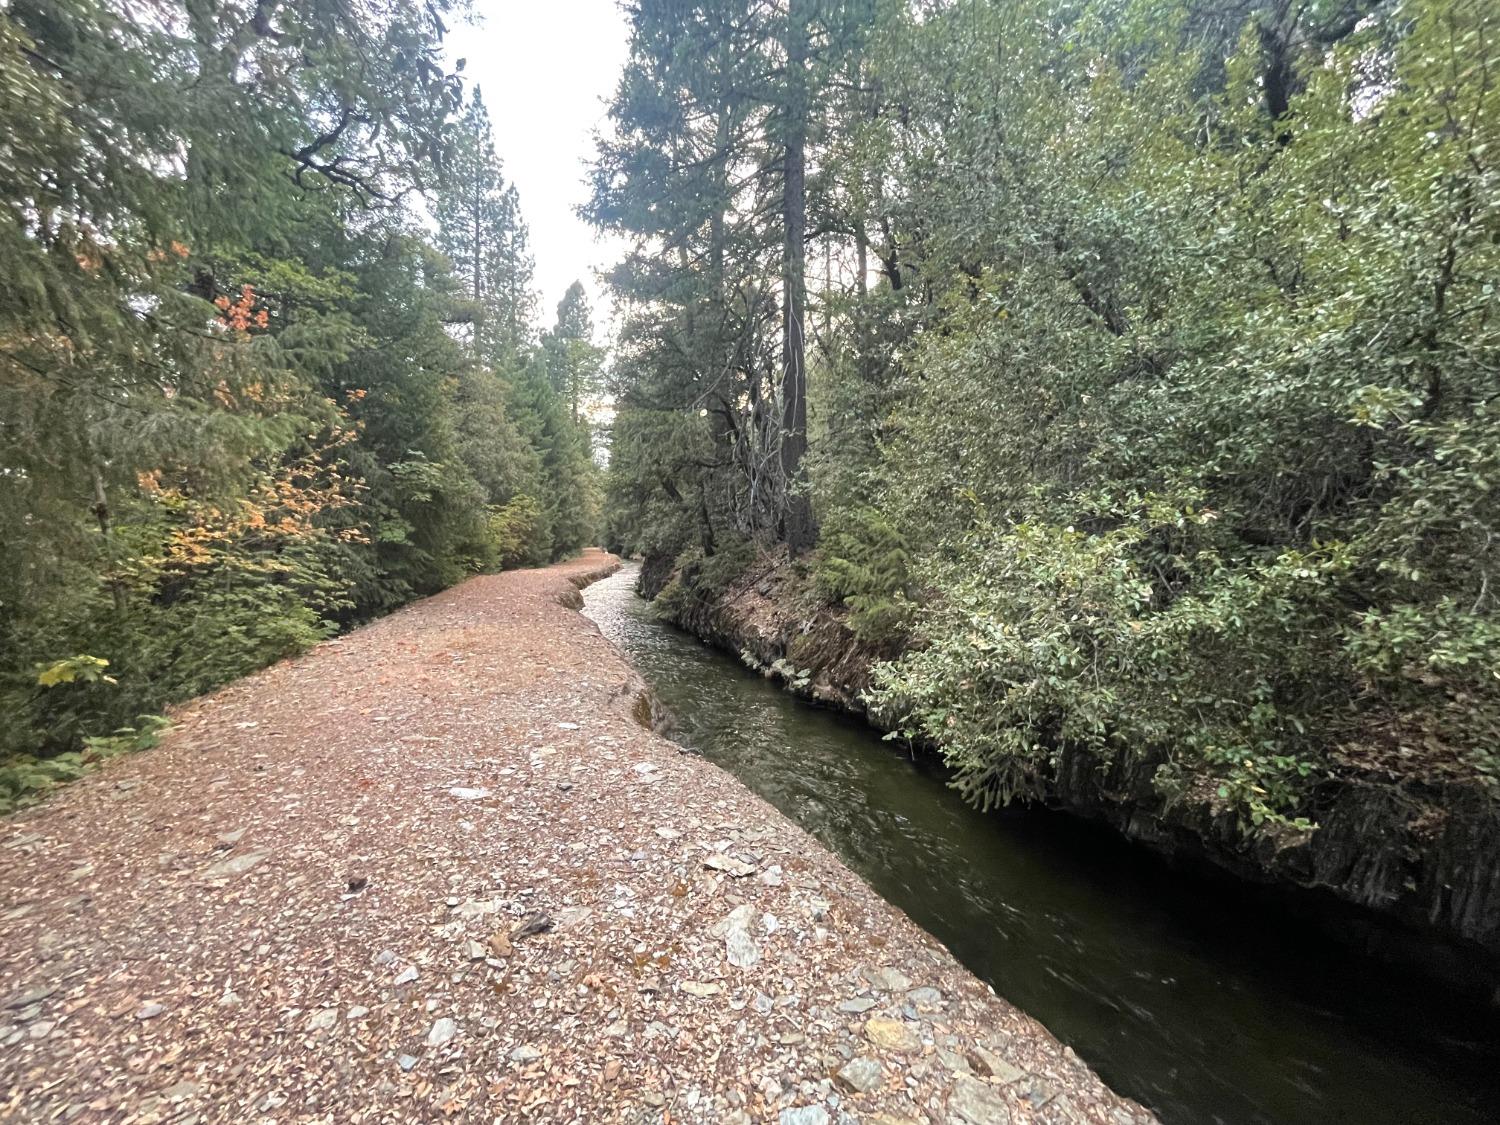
point(316, 902)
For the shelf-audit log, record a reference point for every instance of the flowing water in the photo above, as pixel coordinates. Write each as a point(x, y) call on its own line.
point(1190, 994)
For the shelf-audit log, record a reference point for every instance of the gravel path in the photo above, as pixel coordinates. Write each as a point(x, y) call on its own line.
point(436, 870)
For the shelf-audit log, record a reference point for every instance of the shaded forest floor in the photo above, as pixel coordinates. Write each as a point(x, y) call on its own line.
point(436, 869)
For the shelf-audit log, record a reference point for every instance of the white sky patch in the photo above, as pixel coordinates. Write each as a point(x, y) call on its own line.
point(547, 70)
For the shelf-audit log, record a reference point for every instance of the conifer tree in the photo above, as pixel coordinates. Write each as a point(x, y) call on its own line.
point(567, 513)
point(481, 229)
point(232, 416)
point(713, 126)
point(574, 361)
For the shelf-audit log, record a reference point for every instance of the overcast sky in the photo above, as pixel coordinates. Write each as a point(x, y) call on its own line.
point(546, 68)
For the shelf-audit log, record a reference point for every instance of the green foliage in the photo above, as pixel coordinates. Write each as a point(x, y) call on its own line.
point(513, 530)
point(795, 678)
point(235, 416)
point(647, 448)
point(73, 669)
point(721, 109)
point(1231, 506)
point(1049, 638)
point(481, 230)
point(574, 362)
point(1153, 370)
point(701, 580)
point(145, 734)
point(25, 778)
point(566, 520)
point(863, 562)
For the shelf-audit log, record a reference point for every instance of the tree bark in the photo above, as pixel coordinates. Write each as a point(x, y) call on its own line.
point(106, 529)
point(477, 280)
point(798, 529)
point(721, 418)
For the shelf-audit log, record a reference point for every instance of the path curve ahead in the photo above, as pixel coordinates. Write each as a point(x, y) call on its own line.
point(314, 901)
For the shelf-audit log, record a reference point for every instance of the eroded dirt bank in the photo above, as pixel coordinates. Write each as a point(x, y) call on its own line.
point(437, 870)
point(1407, 869)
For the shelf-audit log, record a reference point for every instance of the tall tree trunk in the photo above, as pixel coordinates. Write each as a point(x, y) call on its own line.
point(797, 520)
point(477, 278)
point(861, 259)
point(107, 531)
point(864, 345)
point(719, 410)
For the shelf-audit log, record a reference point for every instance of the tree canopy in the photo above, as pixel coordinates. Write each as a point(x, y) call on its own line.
point(246, 399)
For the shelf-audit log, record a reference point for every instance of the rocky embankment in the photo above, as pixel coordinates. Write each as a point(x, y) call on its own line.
point(1405, 869)
point(437, 870)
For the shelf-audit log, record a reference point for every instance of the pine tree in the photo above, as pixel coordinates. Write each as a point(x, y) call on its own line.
point(567, 516)
point(720, 114)
point(574, 361)
point(481, 229)
point(687, 169)
point(513, 297)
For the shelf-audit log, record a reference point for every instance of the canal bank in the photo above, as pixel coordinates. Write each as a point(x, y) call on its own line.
point(1189, 992)
point(1406, 869)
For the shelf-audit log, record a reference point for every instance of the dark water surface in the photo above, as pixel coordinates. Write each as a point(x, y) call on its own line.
point(1186, 993)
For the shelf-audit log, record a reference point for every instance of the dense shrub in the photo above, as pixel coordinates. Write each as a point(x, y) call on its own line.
point(701, 580)
point(864, 564)
point(246, 398)
point(1206, 446)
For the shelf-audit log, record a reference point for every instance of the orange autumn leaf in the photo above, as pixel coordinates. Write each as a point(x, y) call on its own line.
point(242, 315)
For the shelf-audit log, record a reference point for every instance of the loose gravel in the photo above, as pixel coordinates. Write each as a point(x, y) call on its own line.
point(437, 870)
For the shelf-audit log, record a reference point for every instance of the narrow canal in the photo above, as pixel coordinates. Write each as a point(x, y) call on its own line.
point(1181, 991)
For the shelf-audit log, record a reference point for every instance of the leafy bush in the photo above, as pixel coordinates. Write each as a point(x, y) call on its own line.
point(1200, 440)
point(26, 778)
point(233, 416)
point(700, 581)
point(144, 735)
point(513, 531)
point(1047, 637)
point(74, 669)
point(863, 563)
